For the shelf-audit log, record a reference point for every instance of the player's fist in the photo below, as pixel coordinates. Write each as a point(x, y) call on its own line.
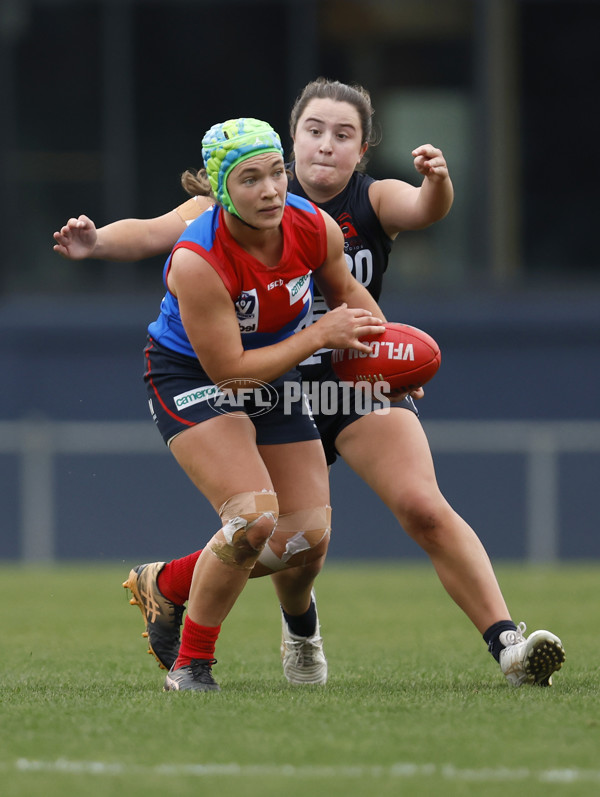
point(430, 162)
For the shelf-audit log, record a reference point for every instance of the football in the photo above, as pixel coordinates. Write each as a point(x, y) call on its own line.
point(403, 355)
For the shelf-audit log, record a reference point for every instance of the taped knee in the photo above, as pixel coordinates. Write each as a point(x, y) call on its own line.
point(249, 520)
point(300, 538)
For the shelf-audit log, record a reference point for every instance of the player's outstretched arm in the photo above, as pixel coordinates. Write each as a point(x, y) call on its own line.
point(123, 240)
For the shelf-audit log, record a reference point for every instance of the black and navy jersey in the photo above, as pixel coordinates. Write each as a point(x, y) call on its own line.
point(366, 246)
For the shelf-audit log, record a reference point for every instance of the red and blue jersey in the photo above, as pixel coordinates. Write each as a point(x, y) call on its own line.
point(270, 303)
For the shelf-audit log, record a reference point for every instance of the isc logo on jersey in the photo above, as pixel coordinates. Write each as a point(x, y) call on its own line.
point(246, 308)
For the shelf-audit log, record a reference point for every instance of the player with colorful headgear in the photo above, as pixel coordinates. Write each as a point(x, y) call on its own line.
point(228, 144)
point(233, 321)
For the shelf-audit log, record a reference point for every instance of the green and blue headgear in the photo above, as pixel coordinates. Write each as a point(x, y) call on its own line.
point(229, 143)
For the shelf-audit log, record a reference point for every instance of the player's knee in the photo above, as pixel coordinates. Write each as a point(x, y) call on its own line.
point(249, 520)
point(425, 518)
point(300, 539)
point(260, 528)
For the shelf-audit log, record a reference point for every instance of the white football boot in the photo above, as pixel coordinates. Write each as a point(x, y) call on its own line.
point(530, 660)
point(303, 657)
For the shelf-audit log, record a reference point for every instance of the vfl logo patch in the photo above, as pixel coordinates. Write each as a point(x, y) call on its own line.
point(246, 308)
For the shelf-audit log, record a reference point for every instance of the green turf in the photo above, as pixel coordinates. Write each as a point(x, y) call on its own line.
point(414, 705)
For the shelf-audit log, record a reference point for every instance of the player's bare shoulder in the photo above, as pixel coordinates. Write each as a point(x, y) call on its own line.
point(194, 207)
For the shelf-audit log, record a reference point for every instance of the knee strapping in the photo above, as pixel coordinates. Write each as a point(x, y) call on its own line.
point(298, 532)
point(240, 514)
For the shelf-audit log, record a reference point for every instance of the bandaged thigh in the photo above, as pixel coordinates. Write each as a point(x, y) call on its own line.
point(300, 538)
point(235, 544)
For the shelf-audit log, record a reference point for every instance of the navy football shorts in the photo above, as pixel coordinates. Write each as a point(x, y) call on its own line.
point(331, 424)
point(181, 395)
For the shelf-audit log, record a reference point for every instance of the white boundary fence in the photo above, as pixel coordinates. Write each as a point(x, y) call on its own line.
point(36, 443)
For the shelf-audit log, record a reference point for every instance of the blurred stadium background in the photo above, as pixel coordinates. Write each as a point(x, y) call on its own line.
point(104, 105)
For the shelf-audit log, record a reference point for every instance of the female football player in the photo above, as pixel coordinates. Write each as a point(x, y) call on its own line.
point(239, 288)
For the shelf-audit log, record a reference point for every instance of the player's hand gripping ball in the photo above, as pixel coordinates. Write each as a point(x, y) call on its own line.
point(404, 356)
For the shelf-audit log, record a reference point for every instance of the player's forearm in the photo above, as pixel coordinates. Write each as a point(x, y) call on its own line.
point(357, 296)
point(126, 240)
point(352, 293)
point(270, 362)
point(434, 200)
point(340, 328)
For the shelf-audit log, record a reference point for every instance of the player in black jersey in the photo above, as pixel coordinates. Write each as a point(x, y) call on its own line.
point(331, 127)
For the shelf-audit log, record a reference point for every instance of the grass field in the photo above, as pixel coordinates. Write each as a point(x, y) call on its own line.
point(414, 706)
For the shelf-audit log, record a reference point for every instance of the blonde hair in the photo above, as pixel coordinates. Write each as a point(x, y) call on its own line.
point(196, 183)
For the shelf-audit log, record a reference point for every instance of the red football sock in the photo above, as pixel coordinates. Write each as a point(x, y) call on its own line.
point(175, 579)
point(197, 642)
